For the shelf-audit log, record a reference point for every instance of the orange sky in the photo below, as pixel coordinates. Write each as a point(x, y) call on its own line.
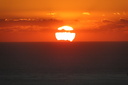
point(93, 20)
point(85, 31)
point(50, 37)
point(40, 8)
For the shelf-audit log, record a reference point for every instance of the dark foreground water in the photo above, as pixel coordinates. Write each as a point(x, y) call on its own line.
point(64, 63)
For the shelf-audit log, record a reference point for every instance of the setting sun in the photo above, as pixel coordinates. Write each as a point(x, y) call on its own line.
point(65, 34)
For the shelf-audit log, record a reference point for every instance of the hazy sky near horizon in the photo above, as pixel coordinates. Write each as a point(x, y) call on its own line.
point(16, 7)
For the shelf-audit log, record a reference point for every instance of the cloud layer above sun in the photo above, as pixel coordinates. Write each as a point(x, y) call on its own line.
point(120, 25)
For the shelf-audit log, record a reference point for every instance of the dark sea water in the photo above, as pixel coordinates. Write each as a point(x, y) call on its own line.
point(64, 63)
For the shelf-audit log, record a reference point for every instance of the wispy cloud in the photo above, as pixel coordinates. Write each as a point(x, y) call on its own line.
point(97, 26)
point(24, 29)
point(106, 26)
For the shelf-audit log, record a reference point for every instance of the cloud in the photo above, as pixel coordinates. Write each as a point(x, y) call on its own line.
point(91, 26)
point(121, 25)
point(106, 26)
point(29, 28)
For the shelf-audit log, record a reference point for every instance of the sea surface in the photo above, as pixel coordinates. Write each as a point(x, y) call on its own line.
point(64, 63)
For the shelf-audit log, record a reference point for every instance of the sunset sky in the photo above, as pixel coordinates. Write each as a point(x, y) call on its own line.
point(92, 20)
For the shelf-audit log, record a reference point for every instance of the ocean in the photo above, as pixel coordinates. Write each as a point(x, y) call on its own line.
point(64, 63)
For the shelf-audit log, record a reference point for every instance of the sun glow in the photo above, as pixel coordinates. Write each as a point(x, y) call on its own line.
point(66, 35)
point(66, 28)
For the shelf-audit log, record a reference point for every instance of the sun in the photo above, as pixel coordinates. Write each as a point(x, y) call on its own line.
point(65, 34)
